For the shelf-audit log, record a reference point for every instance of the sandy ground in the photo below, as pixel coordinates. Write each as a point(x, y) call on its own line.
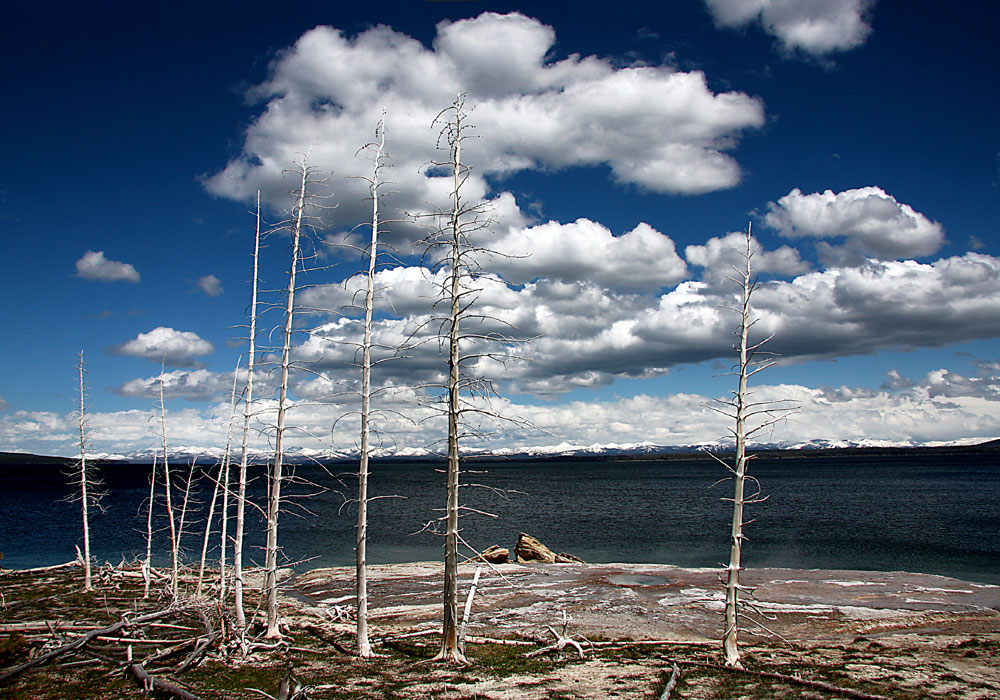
point(646, 602)
point(899, 635)
point(895, 635)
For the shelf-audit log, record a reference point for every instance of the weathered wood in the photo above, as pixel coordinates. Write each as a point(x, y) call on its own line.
point(39, 569)
point(669, 688)
point(503, 642)
point(45, 625)
point(150, 683)
point(82, 640)
point(562, 641)
point(195, 657)
point(468, 609)
point(653, 642)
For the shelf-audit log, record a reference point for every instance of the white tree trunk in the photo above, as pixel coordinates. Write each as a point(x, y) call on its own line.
point(224, 516)
point(241, 493)
point(167, 489)
point(361, 545)
point(84, 483)
point(274, 498)
point(731, 636)
point(450, 649)
point(147, 565)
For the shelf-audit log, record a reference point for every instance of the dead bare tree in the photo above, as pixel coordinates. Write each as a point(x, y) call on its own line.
point(361, 540)
point(147, 563)
point(224, 477)
point(466, 336)
point(749, 418)
point(85, 481)
point(174, 554)
point(296, 225)
point(241, 489)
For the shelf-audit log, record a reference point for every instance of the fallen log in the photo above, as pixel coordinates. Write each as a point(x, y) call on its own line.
point(44, 626)
point(504, 642)
point(150, 683)
point(169, 651)
point(39, 569)
point(83, 640)
point(201, 648)
point(672, 683)
point(623, 644)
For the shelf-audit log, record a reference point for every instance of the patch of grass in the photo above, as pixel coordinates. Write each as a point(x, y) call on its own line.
point(13, 649)
point(507, 660)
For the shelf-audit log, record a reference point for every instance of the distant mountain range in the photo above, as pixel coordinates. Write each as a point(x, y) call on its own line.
point(563, 451)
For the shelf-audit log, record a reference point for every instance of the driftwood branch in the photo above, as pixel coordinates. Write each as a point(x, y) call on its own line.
point(150, 683)
point(674, 677)
point(39, 569)
point(82, 640)
point(562, 641)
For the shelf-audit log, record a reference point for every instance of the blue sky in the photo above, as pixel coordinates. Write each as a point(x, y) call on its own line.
point(860, 138)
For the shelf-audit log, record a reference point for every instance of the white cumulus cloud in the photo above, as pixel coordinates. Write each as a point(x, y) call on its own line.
point(193, 385)
point(642, 258)
point(816, 27)
point(872, 223)
point(654, 126)
point(94, 266)
point(177, 348)
point(719, 256)
point(210, 285)
point(587, 332)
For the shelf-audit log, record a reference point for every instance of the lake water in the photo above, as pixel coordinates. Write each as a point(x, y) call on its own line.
point(923, 512)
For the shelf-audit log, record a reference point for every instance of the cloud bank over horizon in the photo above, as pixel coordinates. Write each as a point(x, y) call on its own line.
point(930, 409)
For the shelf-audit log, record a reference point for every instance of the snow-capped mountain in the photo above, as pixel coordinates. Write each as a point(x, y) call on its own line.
point(187, 454)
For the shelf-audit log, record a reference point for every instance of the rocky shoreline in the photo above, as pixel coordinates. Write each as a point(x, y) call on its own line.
point(663, 602)
point(832, 634)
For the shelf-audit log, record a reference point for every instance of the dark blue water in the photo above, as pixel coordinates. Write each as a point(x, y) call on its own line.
point(926, 513)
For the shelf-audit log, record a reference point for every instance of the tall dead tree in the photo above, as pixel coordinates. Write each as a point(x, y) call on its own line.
point(168, 487)
point(241, 489)
point(225, 478)
point(85, 481)
point(361, 540)
point(465, 335)
point(147, 564)
point(450, 648)
point(749, 418)
point(295, 226)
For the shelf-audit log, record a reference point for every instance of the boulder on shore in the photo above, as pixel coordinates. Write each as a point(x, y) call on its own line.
point(529, 549)
point(494, 555)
